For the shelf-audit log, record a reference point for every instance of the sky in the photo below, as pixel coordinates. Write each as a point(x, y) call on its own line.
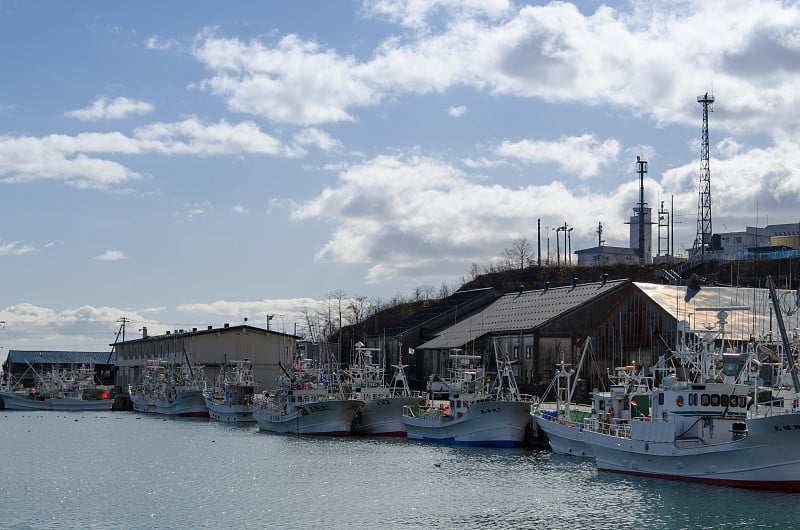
point(191, 163)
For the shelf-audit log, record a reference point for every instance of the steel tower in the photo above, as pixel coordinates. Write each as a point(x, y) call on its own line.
point(703, 239)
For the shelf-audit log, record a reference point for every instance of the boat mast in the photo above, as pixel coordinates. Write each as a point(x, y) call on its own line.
point(784, 338)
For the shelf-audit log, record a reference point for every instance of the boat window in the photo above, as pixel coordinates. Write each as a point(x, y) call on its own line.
point(692, 399)
point(704, 399)
point(715, 400)
point(661, 398)
point(734, 400)
point(724, 400)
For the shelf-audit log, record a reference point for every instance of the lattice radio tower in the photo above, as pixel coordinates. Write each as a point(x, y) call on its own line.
point(703, 239)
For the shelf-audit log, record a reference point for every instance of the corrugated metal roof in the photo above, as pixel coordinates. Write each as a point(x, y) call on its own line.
point(437, 309)
point(57, 357)
point(519, 311)
point(757, 320)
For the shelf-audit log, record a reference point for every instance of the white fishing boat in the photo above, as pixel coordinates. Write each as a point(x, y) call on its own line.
point(142, 394)
point(71, 389)
point(497, 415)
point(307, 400)
point(182, 393)
point(384, 402)
point(170, 389)
point(565, 421)
point(702, 429)
point(232, 399)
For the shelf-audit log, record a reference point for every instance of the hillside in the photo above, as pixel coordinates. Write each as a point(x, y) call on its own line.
point(740, 273)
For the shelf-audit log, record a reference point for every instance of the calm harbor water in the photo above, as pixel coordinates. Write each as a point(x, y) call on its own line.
point(126, 470)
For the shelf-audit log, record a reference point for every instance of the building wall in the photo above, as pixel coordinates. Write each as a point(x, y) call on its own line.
point(210, 349)
point(734, 242)
point(648, 234)
point(624, 327)
point(606, 256)
point(786, 241)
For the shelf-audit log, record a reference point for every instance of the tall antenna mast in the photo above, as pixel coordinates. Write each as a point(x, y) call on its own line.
point(641, 169)
point(703, 239)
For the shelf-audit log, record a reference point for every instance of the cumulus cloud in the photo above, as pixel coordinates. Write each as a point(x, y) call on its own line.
point(238, 208)
point(580, 155)
point(104, 109)
point(318, 138)
point(72, 159)
point(417, 14)
point(553, 52)
point(87, 328)
point(285, 311)
point(411, 215)
point(112, 255)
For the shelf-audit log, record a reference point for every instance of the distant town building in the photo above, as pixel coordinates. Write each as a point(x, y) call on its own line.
point(606, 255)
point(211, 347)
point(23, 365)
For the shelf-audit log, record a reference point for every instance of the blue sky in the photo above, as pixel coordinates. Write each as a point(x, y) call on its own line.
point(189, 163)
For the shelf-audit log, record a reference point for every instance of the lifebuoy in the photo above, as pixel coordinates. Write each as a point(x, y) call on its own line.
point(679, 401)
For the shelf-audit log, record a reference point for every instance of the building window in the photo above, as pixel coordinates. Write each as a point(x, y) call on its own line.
point(516, 352)
point(528, 351)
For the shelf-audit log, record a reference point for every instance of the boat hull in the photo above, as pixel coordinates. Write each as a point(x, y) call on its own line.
point(322, 418)
point(485, 423)
point(229, 413)
point(564, 438)
point(15, 401)
point(187, 404)
point(384, 416)
point(766, 458)
point(142, 403)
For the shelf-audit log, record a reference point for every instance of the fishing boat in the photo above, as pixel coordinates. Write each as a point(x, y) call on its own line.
point(142, 394)
point(565, 421)
point(702, 427)
point(307, 400)
point(70, 389)
point(384, 402)
point(232, 398)
point(475, 414)
point(181, 392)
point(171, 389)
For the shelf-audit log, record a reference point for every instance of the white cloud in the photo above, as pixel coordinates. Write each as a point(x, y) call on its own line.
point(112, 255)
point(294, 82)
point(582, 155)
point(318, 138)
point(551, 52)
point(193, 210)
point(15, 248)
point(66, 158)
point(457, 111)
point(156, 43)
point(408, 216)
point(418, 13)
point(238, 208)
point(104, 109)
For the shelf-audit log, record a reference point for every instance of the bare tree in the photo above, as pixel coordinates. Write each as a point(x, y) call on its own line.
point(357, 309)
point(519, 254)
point(474, 271)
